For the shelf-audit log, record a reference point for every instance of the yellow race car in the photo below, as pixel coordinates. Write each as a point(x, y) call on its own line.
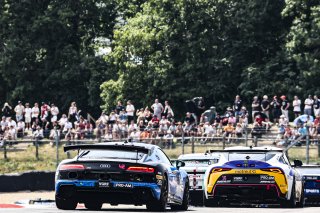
point(253, 175)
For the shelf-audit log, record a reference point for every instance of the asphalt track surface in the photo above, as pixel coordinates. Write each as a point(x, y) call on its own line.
point(134, 209)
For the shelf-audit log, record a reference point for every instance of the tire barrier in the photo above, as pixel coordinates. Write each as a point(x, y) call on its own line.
point(28, 181)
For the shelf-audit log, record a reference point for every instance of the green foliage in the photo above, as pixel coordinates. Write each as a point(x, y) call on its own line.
point(48, 50)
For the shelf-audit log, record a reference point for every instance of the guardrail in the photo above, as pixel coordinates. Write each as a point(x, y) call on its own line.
point(220, 142)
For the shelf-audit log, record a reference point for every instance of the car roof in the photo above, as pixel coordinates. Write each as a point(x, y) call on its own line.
point(199, 156)
point(245, 148)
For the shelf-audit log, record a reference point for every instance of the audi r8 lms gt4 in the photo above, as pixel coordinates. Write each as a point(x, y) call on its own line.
point(196, 165)
point(120, 173)
point(311, 183)
point(253, 175)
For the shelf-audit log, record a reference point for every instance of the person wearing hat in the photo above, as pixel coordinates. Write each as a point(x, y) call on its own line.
point(285, 106)
point(276, 109)
point(308, 103)
point(19, 110)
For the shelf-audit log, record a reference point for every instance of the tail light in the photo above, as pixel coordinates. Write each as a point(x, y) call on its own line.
point(215, 170)
point(273, 170)
point(140, 169)
point(71, 167)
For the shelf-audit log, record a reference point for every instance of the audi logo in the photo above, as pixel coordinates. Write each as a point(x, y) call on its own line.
point(106, 166)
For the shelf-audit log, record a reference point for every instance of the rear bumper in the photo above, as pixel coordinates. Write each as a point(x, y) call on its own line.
point(86, 190)
point(263, 192)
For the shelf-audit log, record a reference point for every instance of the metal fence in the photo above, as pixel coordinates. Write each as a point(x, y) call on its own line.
point(177, 145)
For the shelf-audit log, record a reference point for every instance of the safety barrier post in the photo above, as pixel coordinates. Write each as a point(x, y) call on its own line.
point(192, 144)
point(37, 148)
point(255, 141)
point(307, 145)
point(5, 150)
point(318, 149)
point(182, 142)
point(57, 146)
point(224, 142)
point(246, 136)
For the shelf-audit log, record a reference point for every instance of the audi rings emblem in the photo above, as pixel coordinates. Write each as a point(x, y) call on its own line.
point(105, 166)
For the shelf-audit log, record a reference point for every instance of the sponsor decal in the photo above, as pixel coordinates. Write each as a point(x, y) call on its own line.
point(105, 166)
point(123, 185)
point(237, 178)
point(266, 177)
point(104, 184)
point(313, 191)
point(122, 166)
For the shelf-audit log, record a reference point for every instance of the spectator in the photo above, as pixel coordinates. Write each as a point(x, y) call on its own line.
point(4, 123)
point(135, 135)
point(45, 109)
point(7, 110)
point(119, 107)
point(123, 118)
point(255, 107)
point(63, 121)
point(73, 113)
point(237, 104)
point(265, 105)
point(140, 115)
point(155, 122)
point(285, 106)
point(54, 113)
point(209, 115)
point(157, 108)
point(228, 131)
point(147, 114)
point(296, 106)
point(38, 134)
point(35, 111)
point(169, 139)
point(283, 120)
point(19, 110)
point(316, 106)
point(276, 111)
point(113, 117)
point(308, 105)
point(167, 109)
point(189, 118)
point(20, 129)
point(239, 130)
point(27, 116)
point(12, 134)
point(130, 111)
point(12, 122)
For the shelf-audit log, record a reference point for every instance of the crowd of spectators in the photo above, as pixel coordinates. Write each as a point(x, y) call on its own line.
point(158, 120)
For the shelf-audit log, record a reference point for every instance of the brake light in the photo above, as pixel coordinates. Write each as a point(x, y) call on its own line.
point(215, 170)
point(274, 170)
point(140, 169)
point(71, 167)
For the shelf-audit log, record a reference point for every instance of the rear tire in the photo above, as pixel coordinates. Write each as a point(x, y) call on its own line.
point(302, 200)
point(291, 203)
point(66, 204)
point(93, 205)
point(185, 202)
point(161, 204)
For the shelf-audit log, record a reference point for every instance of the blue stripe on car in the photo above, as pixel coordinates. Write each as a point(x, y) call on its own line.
point(257, 164)
point(92, 183)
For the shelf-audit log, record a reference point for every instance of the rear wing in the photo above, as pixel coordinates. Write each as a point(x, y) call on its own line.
point(123, 147)
point(243, 150)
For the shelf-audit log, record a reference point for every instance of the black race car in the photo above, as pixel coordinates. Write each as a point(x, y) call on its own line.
point(311, 183)
point(120, 173)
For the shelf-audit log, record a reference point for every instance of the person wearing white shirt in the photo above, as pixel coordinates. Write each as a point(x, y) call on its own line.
point(19, 109)
point(157, 108)
point(308, 105)
point(35, 111)
point(135, 136)
point(63, 120)
point(54, 113)
point(27, 116)
point(12, 123)
point(130, 111)
point(296, 106)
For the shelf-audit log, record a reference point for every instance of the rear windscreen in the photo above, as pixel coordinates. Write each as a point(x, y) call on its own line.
point(112, 154)
point(250, 156)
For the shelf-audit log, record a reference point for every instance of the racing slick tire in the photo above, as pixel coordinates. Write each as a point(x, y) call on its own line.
point(302, 200)
point(161, 204)
point(66, 204)
point(93, 205)
point(185, 202)
point(291, 203)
